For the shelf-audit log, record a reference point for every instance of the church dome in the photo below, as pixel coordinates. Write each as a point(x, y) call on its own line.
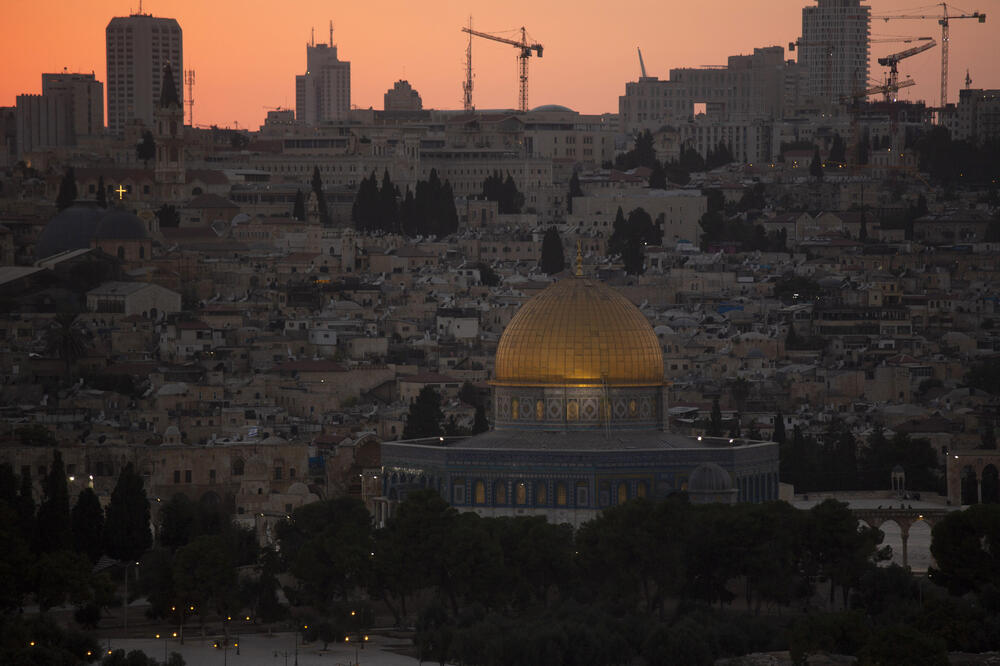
point(119, 224)
point(70, 229)
point(579, 331)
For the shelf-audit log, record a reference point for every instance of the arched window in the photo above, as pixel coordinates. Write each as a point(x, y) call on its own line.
point(640, 489)
point(560, 494)
point(121, 252)
point(500, 493)
point(238, 467)
point(622, 492)
point(480, 493)
point(541, 496)
point(520, 494)
point(142, 252)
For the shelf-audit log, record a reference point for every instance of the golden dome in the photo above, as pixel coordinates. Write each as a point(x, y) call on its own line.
point(579, 331)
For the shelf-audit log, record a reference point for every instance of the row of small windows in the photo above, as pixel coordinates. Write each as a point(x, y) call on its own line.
point(520, 493)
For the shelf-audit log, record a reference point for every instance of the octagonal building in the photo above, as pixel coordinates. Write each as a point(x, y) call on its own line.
point(581, 422)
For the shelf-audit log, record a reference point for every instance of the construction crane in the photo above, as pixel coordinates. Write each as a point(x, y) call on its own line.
point(642, 65)
point(892, 62)
point(467, 84)
point(526, 50)
point(943, 20)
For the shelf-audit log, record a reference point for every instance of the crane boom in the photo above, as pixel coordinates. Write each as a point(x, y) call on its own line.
point(943, 20)
point(526, 51)
point(642, 65)
point(892, 61)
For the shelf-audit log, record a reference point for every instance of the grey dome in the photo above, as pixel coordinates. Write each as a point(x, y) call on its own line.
point(70, 229)
point(119, 224)
point(553, 107)
point(709, 477)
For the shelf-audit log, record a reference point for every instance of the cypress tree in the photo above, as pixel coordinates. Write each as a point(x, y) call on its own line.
point(126, 525)
point(53, 523)
point(317, 187)
point(425, 418)
point(816, 166)
point(715, 420)
point(553, 259)
point(574, 191)
point(102, 194)
point(299, 208)
point(88, 525)
point(779, 428)
point(26, 508)
point(67, 190)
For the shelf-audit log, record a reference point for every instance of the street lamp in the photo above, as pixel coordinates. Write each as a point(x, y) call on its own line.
point(125, 600)
point(361, 643)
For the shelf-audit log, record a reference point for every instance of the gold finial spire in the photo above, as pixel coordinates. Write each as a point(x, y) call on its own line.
point(579, 259)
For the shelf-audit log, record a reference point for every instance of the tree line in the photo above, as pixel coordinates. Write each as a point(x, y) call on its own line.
point(429, 211)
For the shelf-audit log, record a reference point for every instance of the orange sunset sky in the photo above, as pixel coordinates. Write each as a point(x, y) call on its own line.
point(246, 53)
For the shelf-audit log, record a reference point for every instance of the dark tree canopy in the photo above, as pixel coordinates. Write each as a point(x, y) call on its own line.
point(67, 190)
point(102, 193)
point(504, 191)
point(145, 150)
point(317, 188)
point(631, 236)
point(574, 191)
point(425, 418)
point(88, 525)
point(816, 166)
point(126, 528)
point(553, 261)
point(53, 521)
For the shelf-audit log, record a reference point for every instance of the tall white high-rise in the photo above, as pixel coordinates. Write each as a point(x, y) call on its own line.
point(139, 46)
point(323, 93)
point(834, 48)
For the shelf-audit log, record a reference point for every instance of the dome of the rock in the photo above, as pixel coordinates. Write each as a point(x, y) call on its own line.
point(576, 332)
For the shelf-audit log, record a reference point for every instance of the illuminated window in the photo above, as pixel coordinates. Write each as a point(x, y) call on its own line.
point(541, 497)
point(500, 492)
point(561, 494)
point(520, 494)
point(640, 489)
point(622, 492)
point(480, 492)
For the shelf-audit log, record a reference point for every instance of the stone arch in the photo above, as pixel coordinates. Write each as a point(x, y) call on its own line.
point(892, 536)
point(970, 485)
point(989, 481)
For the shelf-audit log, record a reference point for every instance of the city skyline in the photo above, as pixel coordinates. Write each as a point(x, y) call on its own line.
point(240, 78)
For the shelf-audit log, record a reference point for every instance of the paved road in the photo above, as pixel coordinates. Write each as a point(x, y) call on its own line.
point(275, 650)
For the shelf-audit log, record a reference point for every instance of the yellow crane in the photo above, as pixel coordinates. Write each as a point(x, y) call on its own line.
point(943, 20)
point(525, 53)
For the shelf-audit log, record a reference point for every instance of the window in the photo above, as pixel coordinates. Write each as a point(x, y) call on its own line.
point(291, 472)
point(541, 497)
point(211, 476)
point(277, 474)
point(187, 476)
point(622, 492)
point(561, 494)
point(520, 494)
point(459, 493)
point(582, 494)
point(480, 493)
point(177, 476)
point(238, 467)
point(500, 493)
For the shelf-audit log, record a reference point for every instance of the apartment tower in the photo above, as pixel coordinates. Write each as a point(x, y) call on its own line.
point(139, 46)
point(323, 93)
point(834, 48)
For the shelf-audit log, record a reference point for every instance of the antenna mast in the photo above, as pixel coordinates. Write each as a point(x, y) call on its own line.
point(331, 33)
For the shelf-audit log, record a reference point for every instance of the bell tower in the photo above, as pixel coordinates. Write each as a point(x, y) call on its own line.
point(168, 121)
